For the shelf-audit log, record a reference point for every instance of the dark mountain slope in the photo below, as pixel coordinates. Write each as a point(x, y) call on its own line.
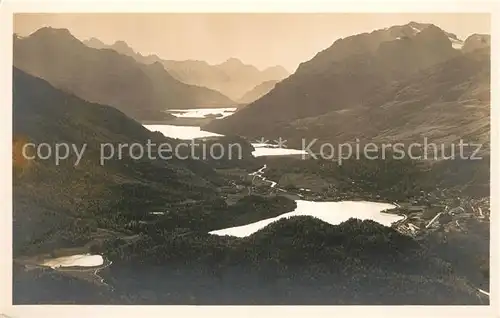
point(52, 201)
point(107, 77)
point(342, 77)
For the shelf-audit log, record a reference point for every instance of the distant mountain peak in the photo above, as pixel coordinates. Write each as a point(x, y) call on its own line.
point(95, 40)
point(236, 65)
point(344, 76)
point(53, 32)
point(275, 68)
point(121, 43)
point(258, 91)
point(432, 32)
point(123, 48)
point(417, 26)
point(189, 61)
point(157, 66)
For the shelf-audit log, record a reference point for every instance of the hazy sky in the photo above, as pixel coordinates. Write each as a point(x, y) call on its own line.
point(259, 39)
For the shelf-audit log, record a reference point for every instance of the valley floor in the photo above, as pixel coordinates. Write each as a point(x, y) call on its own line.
point(435, 223)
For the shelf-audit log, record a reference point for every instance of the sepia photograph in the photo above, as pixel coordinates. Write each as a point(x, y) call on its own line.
point(251, 158)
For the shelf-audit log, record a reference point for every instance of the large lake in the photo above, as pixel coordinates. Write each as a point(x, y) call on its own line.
point(330, 212)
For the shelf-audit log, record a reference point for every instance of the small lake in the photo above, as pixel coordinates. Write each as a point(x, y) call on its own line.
point(202, 112)
point(330, 212)
point(194, 132)
point(81, 260)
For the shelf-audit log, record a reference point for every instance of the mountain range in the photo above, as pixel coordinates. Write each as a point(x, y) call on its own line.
point(396, 84)
point(232, 78)
point(108, 77)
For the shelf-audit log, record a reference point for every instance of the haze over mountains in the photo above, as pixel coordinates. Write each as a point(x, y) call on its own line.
point(108, 77)
point(257, 92)
point(232, 78)
point(391, 84)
